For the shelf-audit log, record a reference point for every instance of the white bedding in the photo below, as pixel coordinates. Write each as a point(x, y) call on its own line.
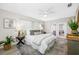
point(41, 42)
point(38, 39)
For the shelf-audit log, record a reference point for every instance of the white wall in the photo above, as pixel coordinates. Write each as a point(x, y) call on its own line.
point(26, 21)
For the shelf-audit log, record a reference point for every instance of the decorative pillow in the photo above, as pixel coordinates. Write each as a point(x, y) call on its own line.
point(35, 32)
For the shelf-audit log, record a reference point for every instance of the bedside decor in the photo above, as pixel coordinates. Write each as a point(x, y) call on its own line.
point(7, 43)
point(21, 37)
point(73, 25)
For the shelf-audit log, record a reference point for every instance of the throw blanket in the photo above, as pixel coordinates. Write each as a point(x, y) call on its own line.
point(39, 38)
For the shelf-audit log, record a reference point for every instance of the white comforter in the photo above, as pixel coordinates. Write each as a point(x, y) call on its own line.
point(41, 42)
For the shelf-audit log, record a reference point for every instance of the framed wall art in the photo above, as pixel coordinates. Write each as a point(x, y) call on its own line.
point(8, 23)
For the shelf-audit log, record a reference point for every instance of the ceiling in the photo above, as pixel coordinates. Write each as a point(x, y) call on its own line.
point(41, 11)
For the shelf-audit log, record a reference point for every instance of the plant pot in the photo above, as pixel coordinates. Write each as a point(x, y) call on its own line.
point(74, 31)
point(7, 47)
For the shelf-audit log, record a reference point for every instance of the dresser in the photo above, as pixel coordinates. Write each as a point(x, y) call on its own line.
point(73, 44)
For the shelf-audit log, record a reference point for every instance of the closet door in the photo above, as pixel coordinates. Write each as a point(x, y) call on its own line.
point(53, 29)
point(62, 30)
point(59, 30)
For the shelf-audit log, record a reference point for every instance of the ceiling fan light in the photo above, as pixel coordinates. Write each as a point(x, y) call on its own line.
point(45, 15)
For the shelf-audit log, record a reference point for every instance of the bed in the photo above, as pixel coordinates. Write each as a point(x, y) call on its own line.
point(41, 42)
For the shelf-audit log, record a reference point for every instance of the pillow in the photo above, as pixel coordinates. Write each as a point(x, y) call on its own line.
point(35, 32)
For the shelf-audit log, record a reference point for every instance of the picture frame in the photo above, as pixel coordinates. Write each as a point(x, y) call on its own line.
point(8, 23)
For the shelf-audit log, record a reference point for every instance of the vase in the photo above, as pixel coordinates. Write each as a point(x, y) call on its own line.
point(7, 46)
point(74, 31)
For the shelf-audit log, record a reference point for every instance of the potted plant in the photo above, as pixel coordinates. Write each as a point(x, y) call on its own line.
point(73, 25)
point(7, 43)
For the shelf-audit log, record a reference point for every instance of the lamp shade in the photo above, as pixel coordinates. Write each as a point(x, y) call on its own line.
point(41, 27)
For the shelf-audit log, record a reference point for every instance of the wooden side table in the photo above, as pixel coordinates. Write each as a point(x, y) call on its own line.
point(74, 37)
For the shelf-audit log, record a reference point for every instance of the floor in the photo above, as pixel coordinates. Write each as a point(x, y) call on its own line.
point(59, 48)
point(12, 51)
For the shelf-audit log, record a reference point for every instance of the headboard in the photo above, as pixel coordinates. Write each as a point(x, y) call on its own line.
point(36, 32)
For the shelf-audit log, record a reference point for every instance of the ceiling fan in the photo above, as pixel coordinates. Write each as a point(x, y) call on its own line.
point(46, 12)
